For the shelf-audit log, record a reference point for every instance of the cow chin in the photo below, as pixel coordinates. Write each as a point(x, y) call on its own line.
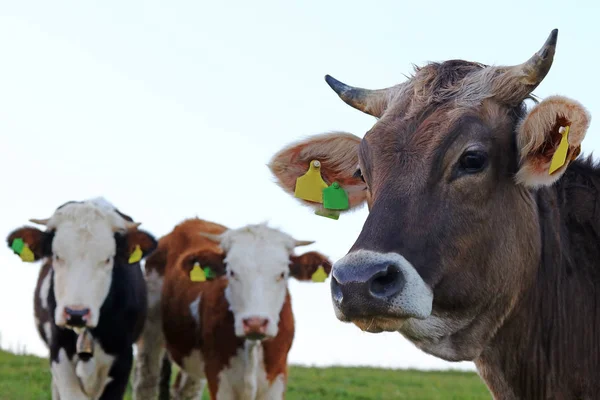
point(379, 324)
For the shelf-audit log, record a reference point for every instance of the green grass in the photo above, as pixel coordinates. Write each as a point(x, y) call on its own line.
point(25, 377)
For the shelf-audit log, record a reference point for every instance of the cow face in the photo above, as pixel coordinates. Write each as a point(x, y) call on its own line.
point(259, 262)
point(85, 242)
point(449, 173)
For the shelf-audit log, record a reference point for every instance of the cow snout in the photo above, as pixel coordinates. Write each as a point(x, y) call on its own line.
point(255, 327)
point(77, 317)
point(370, 285)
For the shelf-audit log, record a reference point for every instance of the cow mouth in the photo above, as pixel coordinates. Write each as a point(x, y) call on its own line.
point(255, 336)
point(379, 324)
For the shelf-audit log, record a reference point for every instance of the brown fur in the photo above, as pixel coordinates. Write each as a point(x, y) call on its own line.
point(515, 272)
point(216, 339)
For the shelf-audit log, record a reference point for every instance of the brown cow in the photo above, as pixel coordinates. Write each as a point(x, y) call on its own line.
point(474, 248)
point(234, 330)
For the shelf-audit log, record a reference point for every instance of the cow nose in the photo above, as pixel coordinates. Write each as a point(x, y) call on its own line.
point(255, 327)
point(368, 284)
point(77, 317)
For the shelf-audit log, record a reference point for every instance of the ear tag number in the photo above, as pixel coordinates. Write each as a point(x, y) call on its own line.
point(197, 274)
point(335, 198)
point(21, 248)
point(319, 275)
point(333, 214)
point(310, 185)
point(136, 255)
point(560, 155)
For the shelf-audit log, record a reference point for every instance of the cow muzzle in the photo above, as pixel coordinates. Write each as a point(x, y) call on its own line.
point(378, 291)
point(255, 328)
point(76, 317)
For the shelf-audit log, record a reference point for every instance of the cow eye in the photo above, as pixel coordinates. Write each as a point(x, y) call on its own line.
point(473, 161)
point(358, 174)
point(281, 276)
point(231, 273)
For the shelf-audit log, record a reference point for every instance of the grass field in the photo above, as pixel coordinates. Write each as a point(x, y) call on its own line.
point(24, 377)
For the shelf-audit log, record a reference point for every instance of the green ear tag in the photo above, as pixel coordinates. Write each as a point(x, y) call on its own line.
point(335, 198)
point(328, 214)
point(209, 273)
point(17, 245)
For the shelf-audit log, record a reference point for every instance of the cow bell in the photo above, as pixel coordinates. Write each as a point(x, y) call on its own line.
point(85, 345)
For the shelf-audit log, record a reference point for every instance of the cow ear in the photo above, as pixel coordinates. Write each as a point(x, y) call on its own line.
point(137, 245)
point(31, 244)
point(549, 138)
point(157, 261)
point(337, 154)
point(208, 265)
point(311, 266)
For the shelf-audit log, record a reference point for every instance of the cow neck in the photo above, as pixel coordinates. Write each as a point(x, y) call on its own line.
point(549, 347)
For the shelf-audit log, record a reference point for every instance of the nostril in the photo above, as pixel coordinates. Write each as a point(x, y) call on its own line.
point(336, 290)
point(387, 283)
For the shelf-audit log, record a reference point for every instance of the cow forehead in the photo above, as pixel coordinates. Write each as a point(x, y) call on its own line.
point(257, 247)
point(84, 228)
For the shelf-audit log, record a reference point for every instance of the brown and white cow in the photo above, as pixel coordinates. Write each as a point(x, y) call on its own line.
point(473, 248)
point(234, 330)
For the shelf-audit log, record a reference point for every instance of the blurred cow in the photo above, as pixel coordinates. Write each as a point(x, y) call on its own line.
point(90, 299)
point(234, 329)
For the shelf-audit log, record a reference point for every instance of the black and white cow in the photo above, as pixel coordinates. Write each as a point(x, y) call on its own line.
point(90, 301)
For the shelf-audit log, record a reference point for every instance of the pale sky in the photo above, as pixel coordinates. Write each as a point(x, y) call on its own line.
point(172, 109)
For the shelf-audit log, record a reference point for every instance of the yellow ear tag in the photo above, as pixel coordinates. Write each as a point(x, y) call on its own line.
point(310, 185)
point(319, 275)
point(136, 255)
point(197, 274)
point(26, 254)
point(560, 155)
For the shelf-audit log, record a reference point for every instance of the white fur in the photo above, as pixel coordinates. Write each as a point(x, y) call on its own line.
point(48, 331)
point(64, 378)
point(257, 255)
point(45, 290)
point(195, 310)
point(150, 347)
point(246, 379)
point(93, 374)
point(416, 298)
point(190, 387)
point(85, 246)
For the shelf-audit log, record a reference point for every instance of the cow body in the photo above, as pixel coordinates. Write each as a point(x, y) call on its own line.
point(481, 242)
point(102, 371)
point(201, 328)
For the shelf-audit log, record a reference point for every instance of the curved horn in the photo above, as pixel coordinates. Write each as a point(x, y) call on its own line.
point(210, 236)
point(303, 242)
point(40, 221)
point(131, 224)
point(372, 102)
point(517, 82)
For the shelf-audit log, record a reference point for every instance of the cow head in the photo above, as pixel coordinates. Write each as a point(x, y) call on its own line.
point(85, 241)
point(259, 261)
point(449, 173)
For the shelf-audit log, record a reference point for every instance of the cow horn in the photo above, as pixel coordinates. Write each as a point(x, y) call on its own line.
point(131, 224)
point(303, 242)
point(210, 236)
point(372, 102)
point(40, 221)
point(517, 82)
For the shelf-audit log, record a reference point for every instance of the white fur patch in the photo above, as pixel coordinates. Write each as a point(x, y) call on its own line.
point(45, 289)
point(48, 331)
point(195, 310)
point(64, 378)
point(154, 283)
point(93, 374)
point(246, 378)
point(193, 364)
point(257, 256)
